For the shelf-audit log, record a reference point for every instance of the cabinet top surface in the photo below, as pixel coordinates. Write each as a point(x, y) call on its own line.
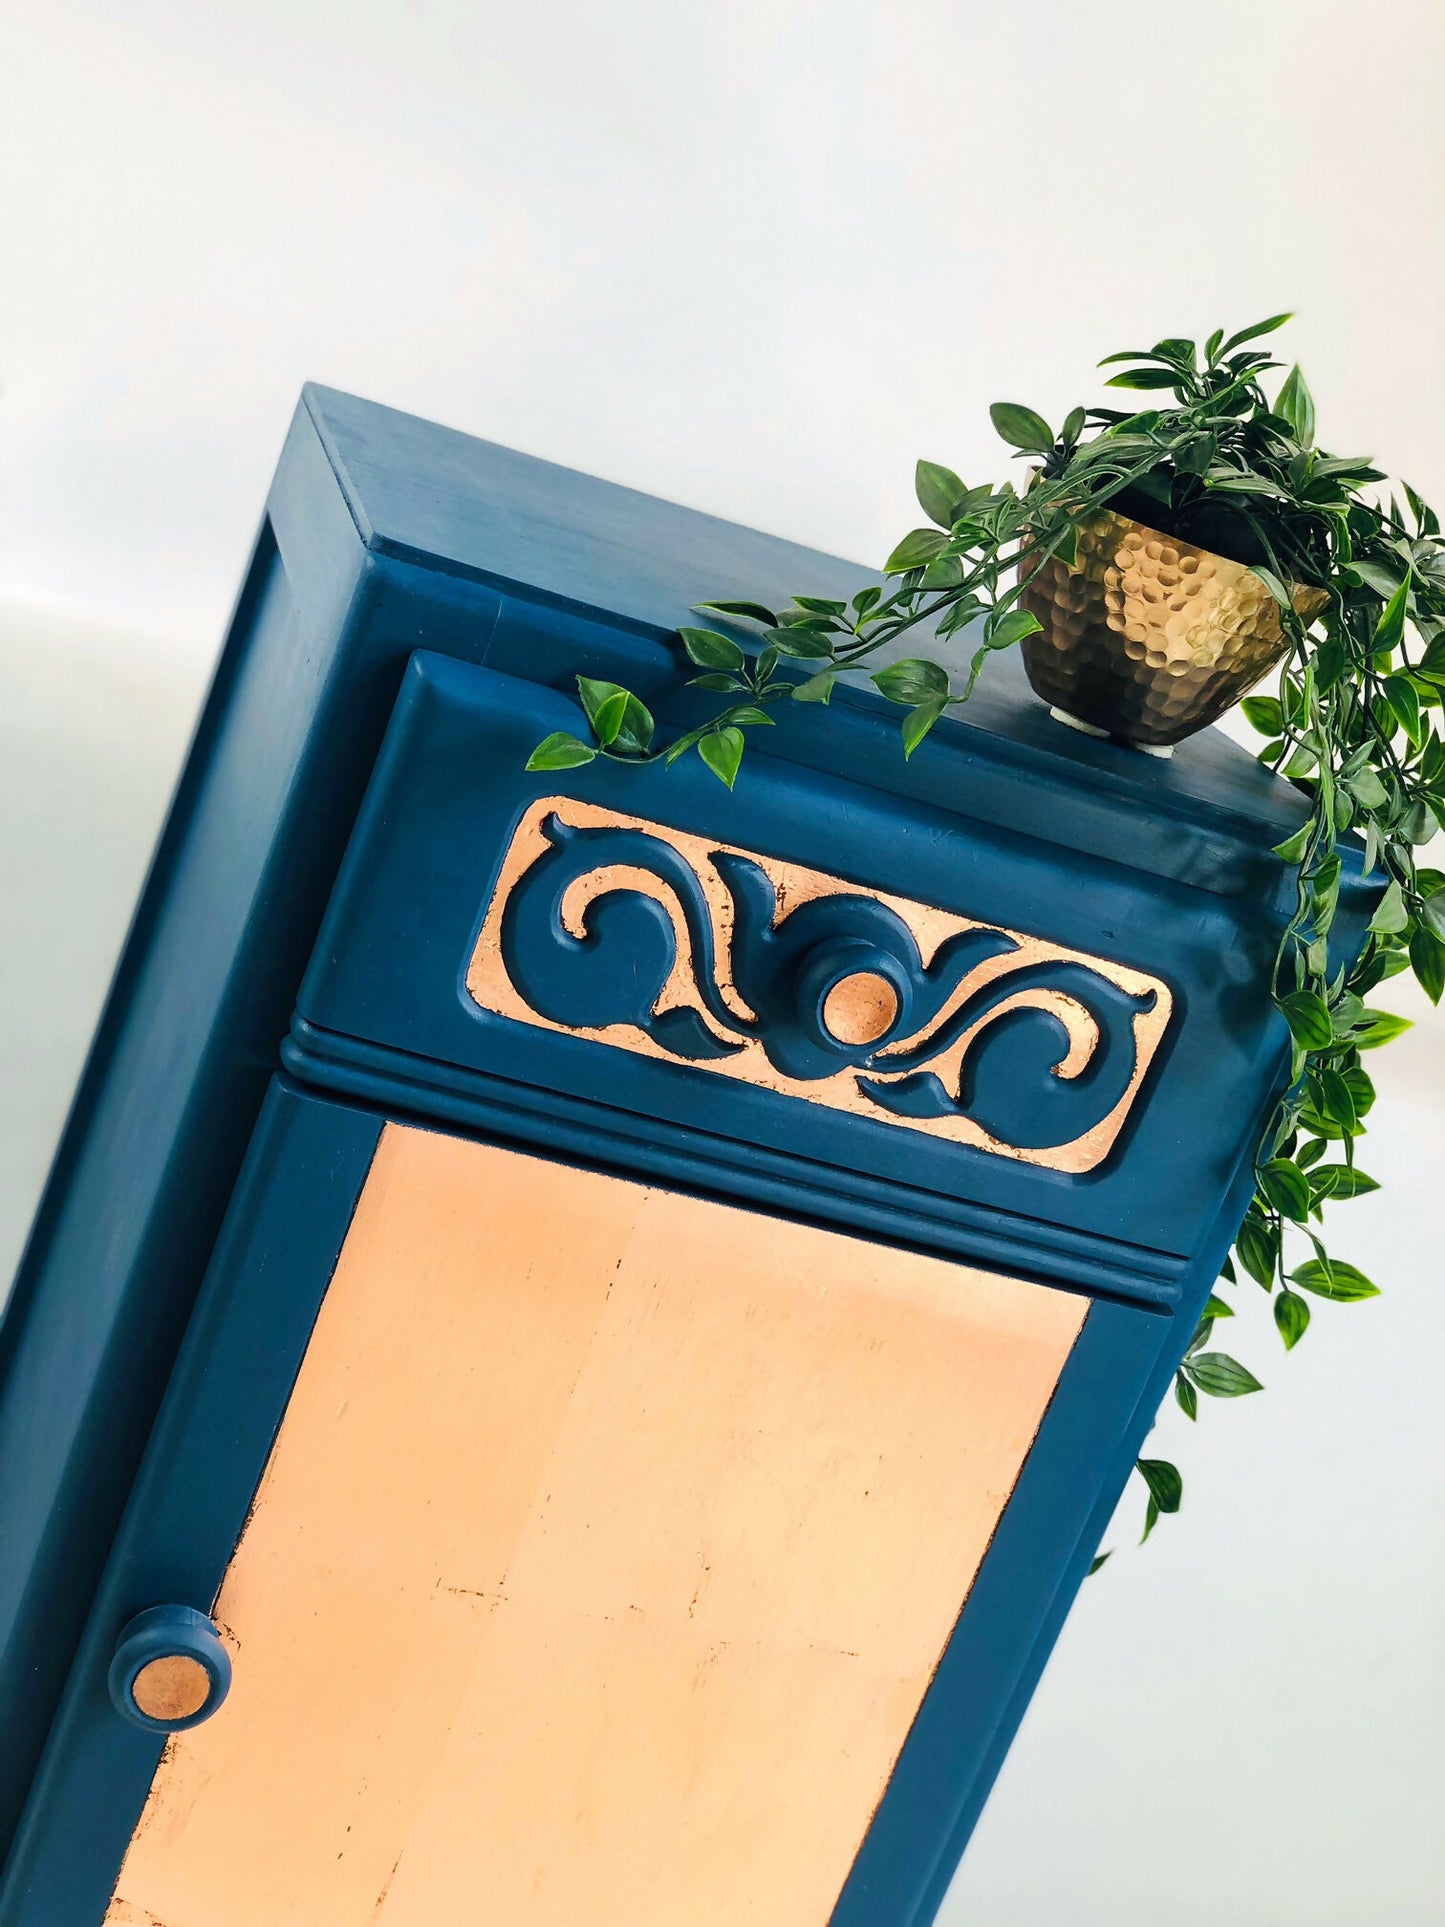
point(443, 499)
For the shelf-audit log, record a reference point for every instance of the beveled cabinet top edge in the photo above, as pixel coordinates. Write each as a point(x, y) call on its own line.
point(534, 529)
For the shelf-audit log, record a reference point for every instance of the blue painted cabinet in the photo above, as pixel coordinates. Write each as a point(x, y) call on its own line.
point(991, 1023)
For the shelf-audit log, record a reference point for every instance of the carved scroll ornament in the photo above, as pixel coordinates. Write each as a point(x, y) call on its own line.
point(676, 946)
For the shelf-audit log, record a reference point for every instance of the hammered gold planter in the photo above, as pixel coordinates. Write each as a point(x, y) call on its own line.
point(1146, 637)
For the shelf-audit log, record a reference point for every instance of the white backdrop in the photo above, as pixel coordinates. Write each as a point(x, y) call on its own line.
point(757, 258)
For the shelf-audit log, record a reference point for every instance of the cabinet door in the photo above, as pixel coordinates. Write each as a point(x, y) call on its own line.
point(600, 1563)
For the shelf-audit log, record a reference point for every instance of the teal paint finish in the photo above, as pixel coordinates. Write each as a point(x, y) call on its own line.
point(313, 900)
point(274, 1258)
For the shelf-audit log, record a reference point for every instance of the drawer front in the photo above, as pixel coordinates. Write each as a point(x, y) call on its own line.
point(968, 1022)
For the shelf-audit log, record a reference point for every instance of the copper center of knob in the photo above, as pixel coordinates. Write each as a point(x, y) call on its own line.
point(859, 1009)
point(172, 1687)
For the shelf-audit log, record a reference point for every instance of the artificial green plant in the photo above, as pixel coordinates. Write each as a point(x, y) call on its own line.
point(1352, 723)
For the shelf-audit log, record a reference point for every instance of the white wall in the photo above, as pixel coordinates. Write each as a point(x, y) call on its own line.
point(758, 258)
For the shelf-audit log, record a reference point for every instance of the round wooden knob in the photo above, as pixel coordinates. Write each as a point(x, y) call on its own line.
point(170, 1669)
point(860, 1009)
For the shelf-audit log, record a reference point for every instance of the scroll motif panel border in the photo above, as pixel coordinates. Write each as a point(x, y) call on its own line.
point(676, 946)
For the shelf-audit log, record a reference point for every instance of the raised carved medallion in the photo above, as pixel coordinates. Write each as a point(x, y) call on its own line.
point(677, 946)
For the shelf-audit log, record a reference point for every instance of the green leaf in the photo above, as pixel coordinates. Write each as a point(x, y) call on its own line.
point(1187, 1397)
point(1011, 628)
point(1285, 1186)
point(1427, 960)
point(1382, 1028)
point(943, 572)
point(1175, 348)
point(1216, 1308)
point(915, 551)
point(1197, 454)
point(607, 718)
point(1335, 1280)
point(1361, 1095)
point(683, 745)
point(1144, 378)
point(817, 689)
point(1278, 589)
point(1258, 1247)
point(914, 680)
point(1340, 1181)
point(1404, 701)
point(1308, 1017)
point(1330, 663)
point(1066, 547)
point(793, 641)
point(635, 735)
point(1425, 519)
point(709, 650)
point(1432, 910)
point(918, 722)
point(626, 725)
point(594, 694)
point(1222, 1376)
point(941, 494)
point(817, 605)
point(1296, 404)
point(722, 751)
point(749, 611)
point(1098, 1561)
point(1391, 626)
point(749, 716)
point(1232, 482)
point(1151, 1519)
point(1259, 328)
point(728, 685)
point(1264, 714)
point(1291, 1316)
point(1293, 847)
point(1166, 1488)
point(1367, 789)
point(1337, 1100)
point(1378, 576)
point(560, 751)
point(1022, 427)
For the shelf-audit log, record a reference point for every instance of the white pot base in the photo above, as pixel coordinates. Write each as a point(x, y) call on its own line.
point(1092, 729)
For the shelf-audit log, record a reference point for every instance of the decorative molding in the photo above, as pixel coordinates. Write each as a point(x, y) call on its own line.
point(670, 945)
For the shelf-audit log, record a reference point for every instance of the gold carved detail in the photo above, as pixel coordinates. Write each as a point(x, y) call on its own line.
point(902, 1020)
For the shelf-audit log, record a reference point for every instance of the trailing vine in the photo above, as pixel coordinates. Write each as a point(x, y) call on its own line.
point(1350, 724)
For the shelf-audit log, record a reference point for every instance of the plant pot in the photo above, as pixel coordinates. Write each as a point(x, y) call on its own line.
point(1146, 637)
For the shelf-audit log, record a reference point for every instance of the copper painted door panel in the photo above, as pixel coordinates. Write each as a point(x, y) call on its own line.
point(607, 1548)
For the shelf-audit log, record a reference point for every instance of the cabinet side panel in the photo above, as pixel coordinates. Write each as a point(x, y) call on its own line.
point(605, 1554)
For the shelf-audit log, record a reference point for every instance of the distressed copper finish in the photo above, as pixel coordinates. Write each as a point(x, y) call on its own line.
point(861, 1008)
point(171, 1687)
point(492, 988)
point(607, 1548)
point(1148, 637)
